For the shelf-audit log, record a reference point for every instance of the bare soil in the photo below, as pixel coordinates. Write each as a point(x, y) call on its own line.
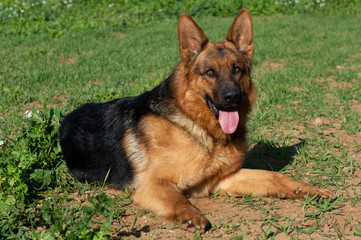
point(232, 220)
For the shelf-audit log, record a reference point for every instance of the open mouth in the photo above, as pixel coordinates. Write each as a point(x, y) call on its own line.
point(211, 106)
point(228, 119)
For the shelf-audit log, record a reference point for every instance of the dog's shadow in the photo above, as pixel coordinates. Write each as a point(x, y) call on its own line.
point(135, 233)
point(270, 156)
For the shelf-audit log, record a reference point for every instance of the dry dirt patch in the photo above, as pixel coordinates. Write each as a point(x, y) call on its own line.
point(355, 106)
point(118, 35)
point(271, 66)
point(345, 66)
point(232, 219)
point(321, 121)
point(68, 61)
point(341, 85)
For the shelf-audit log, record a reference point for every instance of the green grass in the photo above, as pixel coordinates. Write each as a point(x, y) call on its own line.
point(305, 123)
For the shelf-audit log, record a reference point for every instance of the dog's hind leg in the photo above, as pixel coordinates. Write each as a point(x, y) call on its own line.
point(163, 200)
point(269, 184)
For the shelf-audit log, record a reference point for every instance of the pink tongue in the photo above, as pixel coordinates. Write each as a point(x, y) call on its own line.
point(228, 121)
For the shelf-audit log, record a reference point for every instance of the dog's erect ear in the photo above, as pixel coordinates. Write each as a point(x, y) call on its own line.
point(191, 37)
point(241, 33)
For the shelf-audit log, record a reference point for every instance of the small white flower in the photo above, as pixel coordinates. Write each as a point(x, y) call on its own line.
point(111, 5)
point(1, 142)
point(28, 114)
point(43, 2)
point(69, 5)
point(322, 5)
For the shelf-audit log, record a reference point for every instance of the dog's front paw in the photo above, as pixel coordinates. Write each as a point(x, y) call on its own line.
point(192, 220)
point(304, 191)
point(321, 194)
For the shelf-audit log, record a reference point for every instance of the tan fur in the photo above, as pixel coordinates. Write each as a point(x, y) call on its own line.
point(268, 184)
point(188, 154)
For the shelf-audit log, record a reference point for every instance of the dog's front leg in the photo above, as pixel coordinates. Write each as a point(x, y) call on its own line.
point(164, 200)
point(269, 184)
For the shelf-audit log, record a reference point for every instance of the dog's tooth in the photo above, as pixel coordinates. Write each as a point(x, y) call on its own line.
point(283, 195)
point(298, 190)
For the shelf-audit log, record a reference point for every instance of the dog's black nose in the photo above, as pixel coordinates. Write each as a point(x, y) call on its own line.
point(232, 96)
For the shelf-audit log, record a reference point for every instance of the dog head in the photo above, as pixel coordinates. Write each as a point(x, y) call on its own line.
point(217, 75)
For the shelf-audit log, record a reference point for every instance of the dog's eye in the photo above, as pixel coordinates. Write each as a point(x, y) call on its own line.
point(210, 72)
point(236, 69)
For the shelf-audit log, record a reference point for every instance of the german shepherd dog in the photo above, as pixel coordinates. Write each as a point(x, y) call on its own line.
point(184, 138)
